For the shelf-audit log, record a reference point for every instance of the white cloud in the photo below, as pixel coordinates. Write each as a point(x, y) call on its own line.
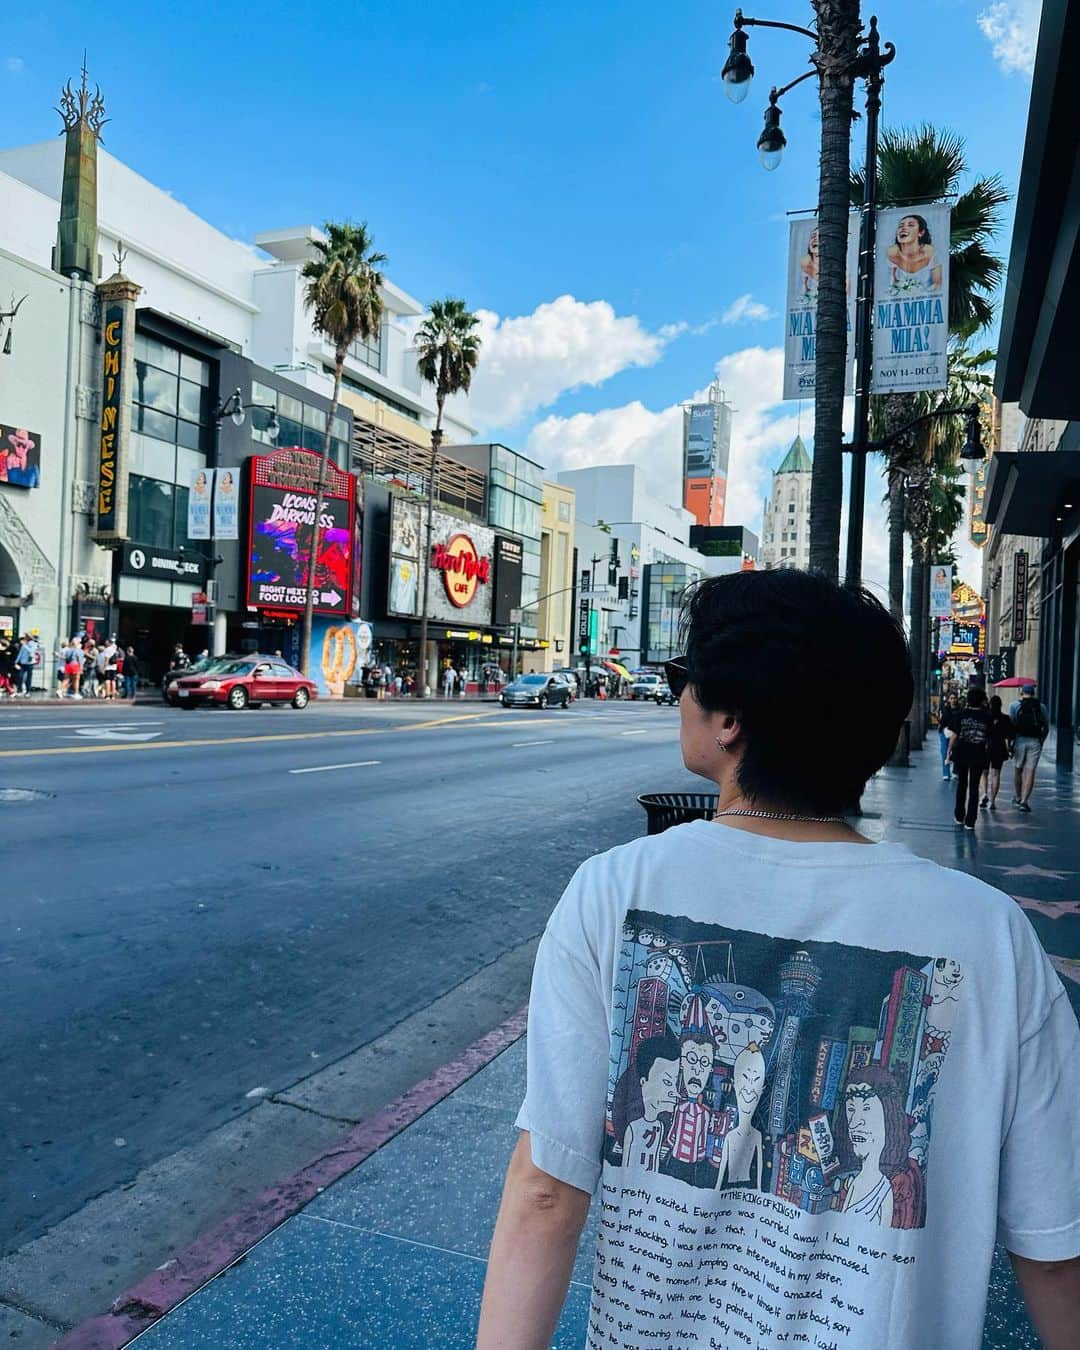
point(745, 309)
point(762, 428)
point(14, 65)
point(526, 362)
point(1012, 29)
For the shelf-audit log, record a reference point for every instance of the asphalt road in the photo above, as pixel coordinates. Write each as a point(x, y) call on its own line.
point(200, 903)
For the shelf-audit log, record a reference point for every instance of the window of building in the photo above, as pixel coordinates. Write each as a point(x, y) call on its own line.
point(157, 512)
point(564, 512)
point(171, 397)
point(368, 353)
point(791, 508)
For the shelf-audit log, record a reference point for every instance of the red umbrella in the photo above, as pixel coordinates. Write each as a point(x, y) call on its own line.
point(1015, 682)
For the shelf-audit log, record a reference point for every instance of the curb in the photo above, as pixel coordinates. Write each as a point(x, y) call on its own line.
point(144, 1303)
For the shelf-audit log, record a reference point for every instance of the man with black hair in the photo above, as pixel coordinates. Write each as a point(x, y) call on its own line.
point(970, 755)
point(1032, 726)
point(917, 1101)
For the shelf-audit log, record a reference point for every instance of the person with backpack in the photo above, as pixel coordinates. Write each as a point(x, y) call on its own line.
point(1031, 723)
point(1001, 741)
point(969, 751)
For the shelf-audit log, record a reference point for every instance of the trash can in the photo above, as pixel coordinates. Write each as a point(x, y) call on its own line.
point(664, 809)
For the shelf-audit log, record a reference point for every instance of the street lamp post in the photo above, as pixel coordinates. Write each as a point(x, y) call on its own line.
point(236, 410)
point(867, 63)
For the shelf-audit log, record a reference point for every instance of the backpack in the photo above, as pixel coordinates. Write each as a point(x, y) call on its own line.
point(1030, 720)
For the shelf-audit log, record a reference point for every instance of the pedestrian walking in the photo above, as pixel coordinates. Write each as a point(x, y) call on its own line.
point(969, 752)
point(25, 660)
point(7, 669)
point(1031, 726)
point(685, 1096)
point(73, 663)
point(106, 669)
point(131, 674)
point(179, 659)
point(448, 680)
point(947, 715)
point(1001, 741)
point(462, 681)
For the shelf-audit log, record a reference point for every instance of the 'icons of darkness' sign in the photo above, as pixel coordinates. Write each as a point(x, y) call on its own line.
point(281, 514)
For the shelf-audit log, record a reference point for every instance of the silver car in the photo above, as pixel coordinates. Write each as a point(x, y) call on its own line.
point(536, 691)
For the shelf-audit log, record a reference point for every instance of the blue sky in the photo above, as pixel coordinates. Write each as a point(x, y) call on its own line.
point(516, 154)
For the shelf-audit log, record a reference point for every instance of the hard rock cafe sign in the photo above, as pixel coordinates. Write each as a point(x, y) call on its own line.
point(464, 571)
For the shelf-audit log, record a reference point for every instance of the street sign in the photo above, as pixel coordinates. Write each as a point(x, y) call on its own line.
point(1001, 665)
point(516, 615)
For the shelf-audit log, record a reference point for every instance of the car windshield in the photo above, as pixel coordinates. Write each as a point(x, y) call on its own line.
point(236, 668)
point(533, 679)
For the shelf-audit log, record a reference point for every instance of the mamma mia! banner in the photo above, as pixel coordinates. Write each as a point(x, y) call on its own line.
point(911, 300)
point(800, 334)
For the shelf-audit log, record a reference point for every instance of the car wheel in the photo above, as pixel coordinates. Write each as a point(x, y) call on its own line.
point(505, 702)
point(542, 701)
point(238, 698)
point(301, 698)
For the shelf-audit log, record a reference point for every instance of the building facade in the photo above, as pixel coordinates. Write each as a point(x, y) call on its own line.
point(557, 582)
point(785, 529)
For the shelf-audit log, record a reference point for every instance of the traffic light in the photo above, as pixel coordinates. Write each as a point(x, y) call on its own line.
point(586, 647)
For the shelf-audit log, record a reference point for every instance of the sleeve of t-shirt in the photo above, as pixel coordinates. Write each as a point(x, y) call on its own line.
point(567, 1048)
point(1039, 1185)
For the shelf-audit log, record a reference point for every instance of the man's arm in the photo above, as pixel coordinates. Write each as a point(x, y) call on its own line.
point(1051, 1291)
point(532, 1255)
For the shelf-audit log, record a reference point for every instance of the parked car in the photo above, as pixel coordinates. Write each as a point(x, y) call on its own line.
point(645, 686)
point(204, 667)
point(537, 691)
point(244, 681)
point(664, 695)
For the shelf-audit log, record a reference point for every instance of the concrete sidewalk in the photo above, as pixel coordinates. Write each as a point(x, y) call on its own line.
point(393, 1252)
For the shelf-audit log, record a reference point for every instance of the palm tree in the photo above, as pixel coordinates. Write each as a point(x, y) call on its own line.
point(934, 479)
point(344, 293)
point(924, 165)
point(838, 35)
point(447, 353)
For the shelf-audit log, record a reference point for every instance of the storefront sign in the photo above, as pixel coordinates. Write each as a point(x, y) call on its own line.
point(20, 457)
point(200, 494)
point(282, 501)
point(464, 571)
point(160, 564)
point(911, 299)
point(800, 334)
point(941, 589)
point(966, 640)
point(977, 529)
point(1001, 665)
point(1019, 602)
point(112, 399)
point(226, 501)
point(509, 554)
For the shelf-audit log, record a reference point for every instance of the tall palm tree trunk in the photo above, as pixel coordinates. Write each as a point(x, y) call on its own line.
point(324, 460)
point(838, 30)
point(425, 561)
point(896, 543)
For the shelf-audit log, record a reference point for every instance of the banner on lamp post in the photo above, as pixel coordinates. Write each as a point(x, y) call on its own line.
point(941, 589)
point(226, 497)
point(911, 299)
point(200, 495)
point(800, 330)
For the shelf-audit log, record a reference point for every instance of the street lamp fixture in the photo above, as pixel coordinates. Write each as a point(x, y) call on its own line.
point(772, 140)
point(236, 410)
point(9, 315)
point(738, 69)
point(972, 447)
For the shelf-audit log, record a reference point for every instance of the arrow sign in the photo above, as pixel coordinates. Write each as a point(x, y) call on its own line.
point(331, 598)
point(109, 734)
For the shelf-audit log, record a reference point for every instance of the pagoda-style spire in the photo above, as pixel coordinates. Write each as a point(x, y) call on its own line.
point(83, 115)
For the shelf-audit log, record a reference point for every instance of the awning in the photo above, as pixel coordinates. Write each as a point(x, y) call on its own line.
point(1026, 493)
point(1036, 363)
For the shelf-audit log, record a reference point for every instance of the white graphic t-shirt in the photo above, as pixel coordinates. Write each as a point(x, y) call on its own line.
point(815, 1083)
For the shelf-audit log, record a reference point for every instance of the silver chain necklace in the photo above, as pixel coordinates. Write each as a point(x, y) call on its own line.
point(779, 815)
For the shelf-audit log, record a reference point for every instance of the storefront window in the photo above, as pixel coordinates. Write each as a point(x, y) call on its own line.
point(151, 511)
point(171, 397)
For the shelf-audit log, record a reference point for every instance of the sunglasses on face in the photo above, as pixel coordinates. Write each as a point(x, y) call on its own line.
point(677, 675)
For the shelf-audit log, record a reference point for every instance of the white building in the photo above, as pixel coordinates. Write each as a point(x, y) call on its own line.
point(249, 294)
point(785, 528)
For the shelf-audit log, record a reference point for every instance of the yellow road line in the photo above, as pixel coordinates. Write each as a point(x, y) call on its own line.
point(241, 740)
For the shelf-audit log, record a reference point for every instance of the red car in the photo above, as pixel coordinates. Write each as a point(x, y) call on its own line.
point(247, 680)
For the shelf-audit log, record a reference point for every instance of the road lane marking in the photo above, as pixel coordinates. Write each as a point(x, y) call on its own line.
point(327, 768)
point(517, 745)
point(239, 740)
point(79, 726)
point(115, 734)
point(636, 733)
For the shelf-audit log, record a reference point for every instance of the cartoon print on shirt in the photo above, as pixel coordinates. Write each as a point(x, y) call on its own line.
point(656, 1069)
point(809, 1074)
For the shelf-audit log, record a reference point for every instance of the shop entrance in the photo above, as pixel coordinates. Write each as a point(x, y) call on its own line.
point(154, 630)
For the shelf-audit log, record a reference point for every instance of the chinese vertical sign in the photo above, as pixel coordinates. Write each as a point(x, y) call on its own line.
point(112, 393)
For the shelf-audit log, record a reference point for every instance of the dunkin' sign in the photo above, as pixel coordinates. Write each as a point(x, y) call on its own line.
point(462, 567)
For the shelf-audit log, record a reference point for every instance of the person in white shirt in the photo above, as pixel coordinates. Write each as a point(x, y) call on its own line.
point(909, 1096)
